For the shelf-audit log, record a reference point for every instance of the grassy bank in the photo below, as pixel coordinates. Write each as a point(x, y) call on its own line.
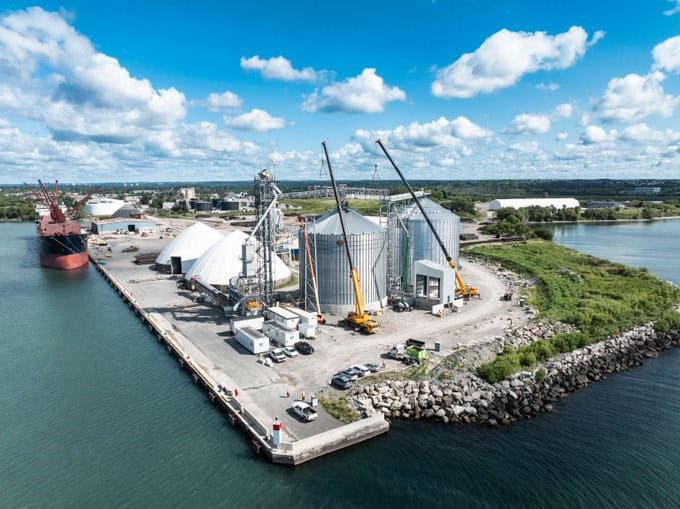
point(599, 297)
point(323, 205)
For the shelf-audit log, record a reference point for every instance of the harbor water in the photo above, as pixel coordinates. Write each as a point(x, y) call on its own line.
point(95, 413)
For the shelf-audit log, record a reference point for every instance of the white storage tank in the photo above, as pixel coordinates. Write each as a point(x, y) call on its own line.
point(102, 207)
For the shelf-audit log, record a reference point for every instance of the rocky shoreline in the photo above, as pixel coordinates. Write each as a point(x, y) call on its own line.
point(469, 399)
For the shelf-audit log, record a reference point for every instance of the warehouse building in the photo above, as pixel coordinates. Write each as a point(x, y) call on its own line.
point(120, 225)
point(522, 203)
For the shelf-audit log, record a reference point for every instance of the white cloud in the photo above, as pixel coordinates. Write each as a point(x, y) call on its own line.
point(667, 55)
point(561, 136)
point(440, 132)
point(278, 68)
point(563, 111)
point(54, 75)
point(223, 101)
point(673, 10)
point(594, 135)
point(551, 87)
point(643, 133)
point(255, 120)
point(598, 35)
point(634, 97)
point(506, 56)
point(527, 123)
point(526, 147)
point(365, 93)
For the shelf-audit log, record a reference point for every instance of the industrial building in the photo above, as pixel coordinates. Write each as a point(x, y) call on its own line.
point(367, 242)
point(605, 205)
point(223, 261)
point(521, 203)
point(119, 225)
point(102, 207)
point(181, 253)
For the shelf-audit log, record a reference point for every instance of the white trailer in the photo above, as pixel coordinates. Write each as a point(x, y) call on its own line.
point(252, 340)
point(308, 322)
point(278, 335)
point(283, 317)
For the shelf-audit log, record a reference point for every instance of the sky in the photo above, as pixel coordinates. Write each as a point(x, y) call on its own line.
point(467, 89)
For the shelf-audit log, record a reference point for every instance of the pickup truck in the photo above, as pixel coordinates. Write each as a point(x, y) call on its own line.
point(304, 411)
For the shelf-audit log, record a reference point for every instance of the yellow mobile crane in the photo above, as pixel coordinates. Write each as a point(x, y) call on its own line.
point(358, 318)
point(462, 289)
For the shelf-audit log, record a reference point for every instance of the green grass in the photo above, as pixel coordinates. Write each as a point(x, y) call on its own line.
point(323, 205)
point(598, 297)
point(339, 408)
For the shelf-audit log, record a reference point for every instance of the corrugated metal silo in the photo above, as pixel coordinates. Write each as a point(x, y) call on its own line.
point(366, 242)
point(422, 244)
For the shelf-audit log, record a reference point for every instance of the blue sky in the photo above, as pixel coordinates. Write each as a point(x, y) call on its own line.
point(458, 90)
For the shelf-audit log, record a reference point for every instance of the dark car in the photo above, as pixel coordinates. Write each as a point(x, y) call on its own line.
point(373, 367)
point(304, 348)
point(341, 381)
point(354, 372)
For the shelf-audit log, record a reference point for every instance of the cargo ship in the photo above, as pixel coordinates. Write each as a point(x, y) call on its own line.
point(61, 245)
point(61, 242)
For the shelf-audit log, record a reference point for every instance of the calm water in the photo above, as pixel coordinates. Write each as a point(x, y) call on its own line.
point(94, 413)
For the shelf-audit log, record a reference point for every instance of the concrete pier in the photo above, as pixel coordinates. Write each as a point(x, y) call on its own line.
point(250, 403)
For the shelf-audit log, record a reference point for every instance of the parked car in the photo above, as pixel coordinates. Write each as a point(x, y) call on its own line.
point(341, 381)
point(362, 368)
point(290, 351)
point(374, 368)
point(350, 373)
point(356, 371)
point(277, 355)
point(304, 411)
point(304, 348)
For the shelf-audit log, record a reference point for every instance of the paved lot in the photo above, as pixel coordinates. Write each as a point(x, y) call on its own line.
point(335, 348)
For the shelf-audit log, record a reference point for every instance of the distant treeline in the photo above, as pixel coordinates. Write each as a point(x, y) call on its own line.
point(482, 190)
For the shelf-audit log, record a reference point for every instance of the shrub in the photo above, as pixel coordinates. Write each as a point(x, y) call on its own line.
point(542, 232)
point(540, 374)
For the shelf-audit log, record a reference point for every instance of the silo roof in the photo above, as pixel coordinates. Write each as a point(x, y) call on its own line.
point(355, 223)
point(431, 209)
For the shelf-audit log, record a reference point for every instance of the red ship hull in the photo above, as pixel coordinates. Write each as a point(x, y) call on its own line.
point(64, 262)
point(61, 245)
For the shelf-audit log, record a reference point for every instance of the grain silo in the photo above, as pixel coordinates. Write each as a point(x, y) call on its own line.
point(420, 243)
point(366, 242)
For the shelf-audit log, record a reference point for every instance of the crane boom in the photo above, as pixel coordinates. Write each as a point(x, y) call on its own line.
point(359, 317)
point(463, 289)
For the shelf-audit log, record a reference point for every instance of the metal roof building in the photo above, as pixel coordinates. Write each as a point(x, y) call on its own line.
point(520, 203)
point(367, 244)
point(124, 225)
point(187, 247)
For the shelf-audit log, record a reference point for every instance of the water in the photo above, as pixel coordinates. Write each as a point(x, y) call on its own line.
point(94, 413)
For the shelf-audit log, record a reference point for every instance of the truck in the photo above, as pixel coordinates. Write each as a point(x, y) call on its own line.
point(304, 411)
point(412, 351)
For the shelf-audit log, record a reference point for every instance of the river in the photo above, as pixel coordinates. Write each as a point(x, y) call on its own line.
point(94, 413)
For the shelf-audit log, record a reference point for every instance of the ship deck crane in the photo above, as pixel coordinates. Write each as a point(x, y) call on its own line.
point(358, 318)
point(462, 289)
